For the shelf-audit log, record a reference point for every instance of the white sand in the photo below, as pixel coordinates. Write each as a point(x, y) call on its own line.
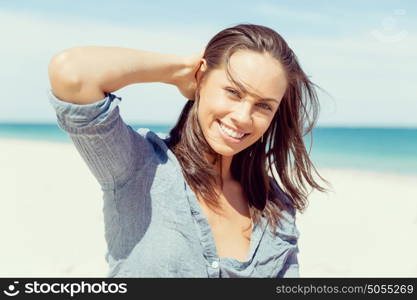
point(51, 219)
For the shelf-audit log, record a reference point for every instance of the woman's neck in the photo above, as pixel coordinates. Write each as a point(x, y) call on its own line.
point(226, 162)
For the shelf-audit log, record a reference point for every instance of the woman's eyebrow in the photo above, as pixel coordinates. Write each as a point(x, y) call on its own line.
point(245, 91)
point(269, 99)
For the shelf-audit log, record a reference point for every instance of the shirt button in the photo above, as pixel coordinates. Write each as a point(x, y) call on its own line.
point(215, 264)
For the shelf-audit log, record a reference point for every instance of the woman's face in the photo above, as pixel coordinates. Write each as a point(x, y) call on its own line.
point(225, 112)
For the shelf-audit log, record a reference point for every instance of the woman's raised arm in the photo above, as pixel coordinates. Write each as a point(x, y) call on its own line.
point(82, 75)
point(82, 81)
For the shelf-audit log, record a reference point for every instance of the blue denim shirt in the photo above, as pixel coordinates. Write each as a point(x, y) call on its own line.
point(154, 225)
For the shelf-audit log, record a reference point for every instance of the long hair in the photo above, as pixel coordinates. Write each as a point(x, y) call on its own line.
point(282, 147)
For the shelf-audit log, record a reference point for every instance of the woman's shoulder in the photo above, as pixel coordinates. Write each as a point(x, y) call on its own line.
point(148, 133)
point(157, 140)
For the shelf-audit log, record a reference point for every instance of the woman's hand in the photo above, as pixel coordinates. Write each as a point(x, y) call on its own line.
point(186, 81)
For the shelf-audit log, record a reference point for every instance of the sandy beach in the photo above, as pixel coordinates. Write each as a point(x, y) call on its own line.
point(51, 220)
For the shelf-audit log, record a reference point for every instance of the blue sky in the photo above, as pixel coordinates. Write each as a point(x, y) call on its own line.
point(287, 16)
point(361, 52)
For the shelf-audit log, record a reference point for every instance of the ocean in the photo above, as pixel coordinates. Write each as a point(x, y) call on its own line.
point(375, 149)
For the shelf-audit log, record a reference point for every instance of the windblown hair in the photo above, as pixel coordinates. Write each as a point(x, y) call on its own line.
point(282, 147)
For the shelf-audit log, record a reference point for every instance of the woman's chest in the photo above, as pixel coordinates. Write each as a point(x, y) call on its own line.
point(232, 237)
point(232, 227)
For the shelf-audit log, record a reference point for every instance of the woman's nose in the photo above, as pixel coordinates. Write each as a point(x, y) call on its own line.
point(242, 116)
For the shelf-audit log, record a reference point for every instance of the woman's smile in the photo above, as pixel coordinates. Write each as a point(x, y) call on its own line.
point(229, 134)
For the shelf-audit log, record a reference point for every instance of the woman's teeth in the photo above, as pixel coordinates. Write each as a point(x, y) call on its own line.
point(232, 133)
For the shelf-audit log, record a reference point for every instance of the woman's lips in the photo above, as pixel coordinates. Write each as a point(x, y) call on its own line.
point(228, 137)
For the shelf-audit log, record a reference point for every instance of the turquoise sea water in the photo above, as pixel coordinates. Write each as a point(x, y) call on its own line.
point(375, 149)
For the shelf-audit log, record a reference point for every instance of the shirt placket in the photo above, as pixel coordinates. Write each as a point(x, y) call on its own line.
point(209, 248)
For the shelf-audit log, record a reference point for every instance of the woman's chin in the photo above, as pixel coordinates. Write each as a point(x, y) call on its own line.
point(224, 150)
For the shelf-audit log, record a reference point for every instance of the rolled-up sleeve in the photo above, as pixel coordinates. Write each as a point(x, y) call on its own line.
point(111, 149)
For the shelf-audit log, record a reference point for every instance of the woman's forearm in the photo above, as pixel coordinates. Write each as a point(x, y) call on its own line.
point(85, 73)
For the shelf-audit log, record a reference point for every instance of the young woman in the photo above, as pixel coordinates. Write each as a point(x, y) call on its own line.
point(218, 196)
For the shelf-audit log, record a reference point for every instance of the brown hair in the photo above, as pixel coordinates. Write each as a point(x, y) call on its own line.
point(282, 146)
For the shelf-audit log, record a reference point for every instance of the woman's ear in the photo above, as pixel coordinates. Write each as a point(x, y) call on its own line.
point(201, 69)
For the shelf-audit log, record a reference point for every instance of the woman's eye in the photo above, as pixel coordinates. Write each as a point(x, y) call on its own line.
point(266, 106)
point(232, 91)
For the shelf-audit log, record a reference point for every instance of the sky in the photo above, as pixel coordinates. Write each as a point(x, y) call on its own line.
point(361, 53)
